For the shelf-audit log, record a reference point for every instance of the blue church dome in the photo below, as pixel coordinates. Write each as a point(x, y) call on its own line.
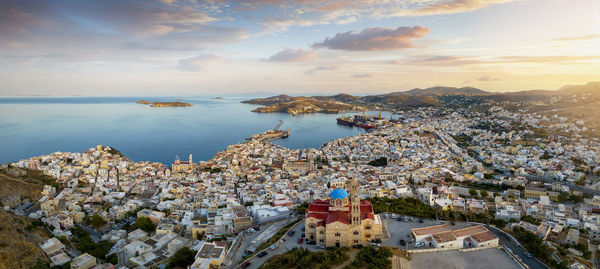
point(338, 194)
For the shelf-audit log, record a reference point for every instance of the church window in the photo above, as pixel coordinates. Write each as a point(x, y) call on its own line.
point(368, 227)
point(338, 234)
point(368, 236)
point(355, 232)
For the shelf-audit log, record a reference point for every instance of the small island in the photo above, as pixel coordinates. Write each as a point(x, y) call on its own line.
point(217, 98)
point(302, 105)
point(164, 104)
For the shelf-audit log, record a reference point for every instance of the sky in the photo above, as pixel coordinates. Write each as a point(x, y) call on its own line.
point(224, 47)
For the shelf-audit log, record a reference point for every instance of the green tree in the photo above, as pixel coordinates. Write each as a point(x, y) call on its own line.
point(473, 192)
point(182, 258)
point(112, 258)
point(484, 193)
point(144, 224)
point(97, 221)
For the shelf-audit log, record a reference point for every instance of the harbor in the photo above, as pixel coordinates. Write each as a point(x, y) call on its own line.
point(271, 135)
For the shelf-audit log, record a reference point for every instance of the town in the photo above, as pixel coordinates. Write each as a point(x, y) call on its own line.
point(521, 189)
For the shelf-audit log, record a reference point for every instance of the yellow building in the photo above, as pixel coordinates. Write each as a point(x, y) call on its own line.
point(180, 166)
point(537, 192)
point(343, 220)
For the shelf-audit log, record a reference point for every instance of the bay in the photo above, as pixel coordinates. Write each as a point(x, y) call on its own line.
point(36, 126)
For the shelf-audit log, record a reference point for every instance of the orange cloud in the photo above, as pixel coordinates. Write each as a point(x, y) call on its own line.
point(374, 39)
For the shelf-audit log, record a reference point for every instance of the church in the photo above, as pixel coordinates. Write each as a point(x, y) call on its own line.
point(181, 166)
point(342, 220)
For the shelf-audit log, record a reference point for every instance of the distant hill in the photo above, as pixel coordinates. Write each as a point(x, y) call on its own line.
point(433, 96)
point(591, 88)
point(440, 90)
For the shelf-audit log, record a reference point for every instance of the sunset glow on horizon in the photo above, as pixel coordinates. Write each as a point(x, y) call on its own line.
point(189, 47)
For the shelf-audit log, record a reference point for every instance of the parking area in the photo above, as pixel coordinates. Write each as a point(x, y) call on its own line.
point(283, 245)
point(401, 230)
point(488, 258)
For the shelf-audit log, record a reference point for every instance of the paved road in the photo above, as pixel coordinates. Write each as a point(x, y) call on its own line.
point(571, 185)
point(517, 249)
point(283, 246)
point(247, 240)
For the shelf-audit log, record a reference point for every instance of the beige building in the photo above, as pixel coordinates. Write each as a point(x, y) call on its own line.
point(85, 261)
point(180, 166)
point(537, 192)
point(343, 220)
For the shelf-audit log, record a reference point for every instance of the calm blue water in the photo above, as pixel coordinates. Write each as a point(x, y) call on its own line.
point(36, 126)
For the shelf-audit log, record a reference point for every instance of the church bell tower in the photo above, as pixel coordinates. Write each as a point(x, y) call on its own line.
point(355, 211)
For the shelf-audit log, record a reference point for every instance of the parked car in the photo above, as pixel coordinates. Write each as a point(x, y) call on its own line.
point(528, 255)
point(418, 244)
point(311, 242)
point(319, 246)
point(291, 233)
point(402, 242)
point(303, 229)
point(357, 246)
point(375, 244)
point(399, 219)
point(245, 265)
point(300, 240)
point(262, 254)
point(420, 220)
point(302, 235)
point(274, 246)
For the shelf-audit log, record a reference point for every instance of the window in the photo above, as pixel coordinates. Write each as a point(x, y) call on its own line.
point(355, 241)
point(321, 240)
point(368, 236)
point(355, 232)
point(312, 226)
point(312, 237)
point(338, 234)
point(368, 227)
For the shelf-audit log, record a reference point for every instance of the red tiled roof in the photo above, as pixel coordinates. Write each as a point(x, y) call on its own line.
point(484, 236)
point(341, 216)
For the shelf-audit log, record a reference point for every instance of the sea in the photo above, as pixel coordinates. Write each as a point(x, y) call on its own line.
point(34, 126)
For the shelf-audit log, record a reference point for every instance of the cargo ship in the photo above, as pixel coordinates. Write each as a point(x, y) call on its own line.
point(345, 121)
point(361, 121)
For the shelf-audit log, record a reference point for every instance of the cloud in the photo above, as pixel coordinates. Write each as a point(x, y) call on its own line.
point(449, 7)
point(321, 68)
point(199, 63)
point(374, 39)
point(360, 75)
point(547, 59)
point(585, 37)
point(487, 78)
point(294, 55)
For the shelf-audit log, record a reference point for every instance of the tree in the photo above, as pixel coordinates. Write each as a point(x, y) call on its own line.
point(97, 221)
point(182, 258)
point(144, 224)
point(473, 192)
point(112, 258)
point(484, 193)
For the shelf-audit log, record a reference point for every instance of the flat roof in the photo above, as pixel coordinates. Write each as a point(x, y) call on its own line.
point(210, 251)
